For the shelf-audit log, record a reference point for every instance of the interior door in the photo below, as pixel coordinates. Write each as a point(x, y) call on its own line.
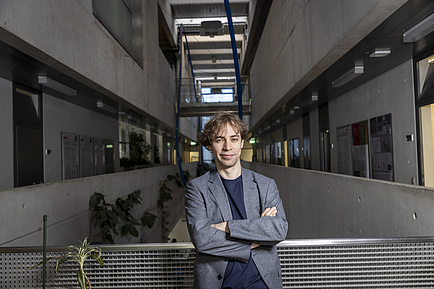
point(28, 140)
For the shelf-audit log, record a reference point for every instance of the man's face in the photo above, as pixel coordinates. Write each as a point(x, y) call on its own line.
point(226, 148)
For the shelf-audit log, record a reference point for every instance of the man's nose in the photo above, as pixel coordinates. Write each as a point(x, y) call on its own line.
point(226, 145)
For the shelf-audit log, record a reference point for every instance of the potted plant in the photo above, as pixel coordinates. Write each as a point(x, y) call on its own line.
point(78, 255)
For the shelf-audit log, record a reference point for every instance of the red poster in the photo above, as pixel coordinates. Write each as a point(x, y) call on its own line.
point(356, 134)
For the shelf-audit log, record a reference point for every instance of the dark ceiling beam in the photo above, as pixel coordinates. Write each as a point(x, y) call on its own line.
point(212, 45)
point(209, 109)
point(195, 29)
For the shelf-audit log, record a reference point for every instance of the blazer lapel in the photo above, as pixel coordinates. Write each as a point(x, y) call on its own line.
point(218, 191)
point(251, 195)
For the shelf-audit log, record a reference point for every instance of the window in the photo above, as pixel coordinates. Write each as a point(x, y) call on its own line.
point(217, 94)
point(123, 19)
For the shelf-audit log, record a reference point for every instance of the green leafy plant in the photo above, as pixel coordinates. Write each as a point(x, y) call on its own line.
point(78, 255)
point(166, 195)
point(139, 151)
point(115, 218)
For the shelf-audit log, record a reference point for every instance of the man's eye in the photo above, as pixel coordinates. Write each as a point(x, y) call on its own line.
point(218, 140)
point(235, 139)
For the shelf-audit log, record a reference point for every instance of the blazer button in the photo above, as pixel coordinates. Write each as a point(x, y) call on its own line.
point(219, 277)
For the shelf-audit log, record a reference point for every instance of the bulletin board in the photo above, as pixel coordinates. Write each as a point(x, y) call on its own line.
point(86, 156)
point(360, 149)
point(70, 156)
point(345, 164)
point(382, 148)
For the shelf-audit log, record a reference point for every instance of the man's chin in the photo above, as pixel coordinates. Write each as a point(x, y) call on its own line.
point(227, 164)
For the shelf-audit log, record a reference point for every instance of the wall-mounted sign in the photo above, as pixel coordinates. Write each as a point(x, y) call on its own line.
point(345, 164)
point(382, 148)
point(360, 149)
point(70, 156)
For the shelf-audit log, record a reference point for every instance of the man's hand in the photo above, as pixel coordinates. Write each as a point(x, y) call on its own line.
point(254, 245)
point(270, 212)
point(221, 226)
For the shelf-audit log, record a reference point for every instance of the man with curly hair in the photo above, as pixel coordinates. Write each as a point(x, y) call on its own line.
point(235, 216)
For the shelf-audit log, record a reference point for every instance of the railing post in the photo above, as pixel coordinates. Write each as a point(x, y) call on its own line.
point(44, 251)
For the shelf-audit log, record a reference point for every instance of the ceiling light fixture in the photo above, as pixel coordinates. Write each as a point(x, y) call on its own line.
point(420, 30)
point(106, 107)
point(48, 82)
point(357, 70)
point(380, 52)
point(314, 96)
point(211, 28)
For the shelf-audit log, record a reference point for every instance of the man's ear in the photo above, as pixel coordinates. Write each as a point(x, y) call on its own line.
point(242, 143)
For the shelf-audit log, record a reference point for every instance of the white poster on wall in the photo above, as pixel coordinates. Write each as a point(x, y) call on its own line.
point(345, 165)
point(361, 161)
point(360, 149)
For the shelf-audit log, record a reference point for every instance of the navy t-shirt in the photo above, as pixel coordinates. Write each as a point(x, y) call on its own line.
point(240, 275)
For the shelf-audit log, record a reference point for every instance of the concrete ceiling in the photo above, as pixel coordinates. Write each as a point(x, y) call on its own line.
point(20, 68)
point(212, 56)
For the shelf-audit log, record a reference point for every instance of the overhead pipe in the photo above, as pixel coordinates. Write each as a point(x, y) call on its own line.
point(235, 55)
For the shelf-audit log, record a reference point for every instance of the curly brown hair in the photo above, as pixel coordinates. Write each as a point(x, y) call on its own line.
point(215, 126)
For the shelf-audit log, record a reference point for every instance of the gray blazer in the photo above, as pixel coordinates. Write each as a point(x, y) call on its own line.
point(206, 203)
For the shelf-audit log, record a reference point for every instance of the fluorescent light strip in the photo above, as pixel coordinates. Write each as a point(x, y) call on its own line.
point(106, 107)
point(348, 76)
point(48, 82)
point(419, 30)
point(197, 21)
point(380, 52)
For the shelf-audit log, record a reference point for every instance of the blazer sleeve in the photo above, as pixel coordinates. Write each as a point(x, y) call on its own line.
point(206, 239)
point(265, 230)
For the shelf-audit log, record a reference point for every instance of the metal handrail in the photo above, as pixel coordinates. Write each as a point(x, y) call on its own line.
point(306, 263)
point(189, 245)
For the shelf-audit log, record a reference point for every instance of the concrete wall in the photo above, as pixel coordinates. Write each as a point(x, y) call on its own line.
point(67, 206)
point(166, 9)
point(391, 92)
point(326, 205)
point(66, 36)
point(6, 143)
point(303, 38)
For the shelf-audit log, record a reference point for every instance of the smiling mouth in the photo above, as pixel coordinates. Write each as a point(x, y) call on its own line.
point(226, 156)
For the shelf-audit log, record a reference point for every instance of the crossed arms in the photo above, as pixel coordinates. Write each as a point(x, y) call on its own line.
point(233, 238)
point(268, 212)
